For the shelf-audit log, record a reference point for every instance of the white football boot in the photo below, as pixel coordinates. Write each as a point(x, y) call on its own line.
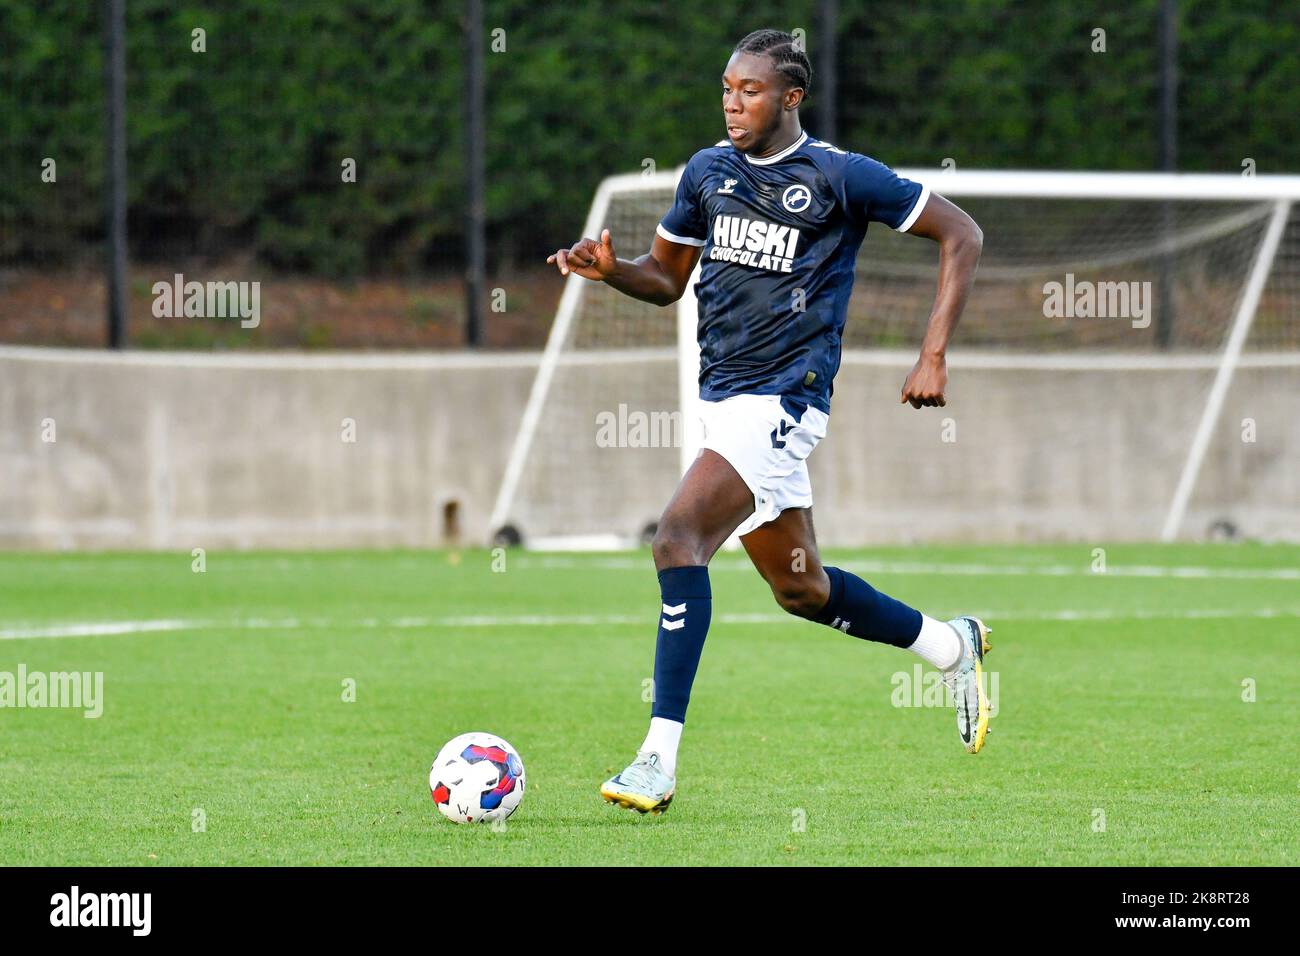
point(643, 786)
point(966, 681)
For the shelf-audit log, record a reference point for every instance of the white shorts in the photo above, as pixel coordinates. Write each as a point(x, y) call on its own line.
point(768, 447)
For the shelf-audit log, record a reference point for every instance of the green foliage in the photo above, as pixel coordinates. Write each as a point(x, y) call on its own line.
point(239, 149)
point(51, 92)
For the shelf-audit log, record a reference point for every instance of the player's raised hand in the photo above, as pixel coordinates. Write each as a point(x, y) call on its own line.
point(587, 258)
point(926, 382)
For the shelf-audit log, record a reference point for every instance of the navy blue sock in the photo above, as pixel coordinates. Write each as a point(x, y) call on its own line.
point(856, 608)
point(683, 625)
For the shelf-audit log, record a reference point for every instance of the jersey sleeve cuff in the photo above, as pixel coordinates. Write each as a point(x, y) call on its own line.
point(917, 207)
point(680, 240)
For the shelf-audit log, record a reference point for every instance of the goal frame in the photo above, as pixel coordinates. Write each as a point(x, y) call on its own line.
point(1282, 191)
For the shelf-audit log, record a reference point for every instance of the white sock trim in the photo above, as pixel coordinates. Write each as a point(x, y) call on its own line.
point(663, 738)
point(937, 643)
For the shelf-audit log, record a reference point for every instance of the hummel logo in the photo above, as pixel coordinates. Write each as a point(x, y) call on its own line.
point(672, 611)
point(727, 186)
point(821, 143)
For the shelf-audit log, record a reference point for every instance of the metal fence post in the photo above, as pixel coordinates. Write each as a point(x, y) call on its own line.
point(115, 161)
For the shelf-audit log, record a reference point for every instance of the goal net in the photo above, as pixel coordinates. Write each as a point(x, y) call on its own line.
point(1127, 368)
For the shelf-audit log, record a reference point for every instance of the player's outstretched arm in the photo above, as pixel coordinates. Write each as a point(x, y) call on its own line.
point(960, 241)
point(659, 276)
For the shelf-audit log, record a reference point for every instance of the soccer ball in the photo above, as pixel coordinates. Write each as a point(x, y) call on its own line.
point(477, 778)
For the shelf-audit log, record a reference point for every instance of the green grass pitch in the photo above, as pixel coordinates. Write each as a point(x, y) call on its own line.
point(1146, 715)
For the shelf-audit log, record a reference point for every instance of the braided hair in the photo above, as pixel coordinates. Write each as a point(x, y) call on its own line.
point(790, 60)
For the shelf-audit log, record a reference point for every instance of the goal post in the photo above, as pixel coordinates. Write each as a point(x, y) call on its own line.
point(1072, 263)
point(507, 509)
point(1227, 367)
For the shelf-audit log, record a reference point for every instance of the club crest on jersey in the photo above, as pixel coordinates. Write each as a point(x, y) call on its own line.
point(796, 198)
point(752, 242)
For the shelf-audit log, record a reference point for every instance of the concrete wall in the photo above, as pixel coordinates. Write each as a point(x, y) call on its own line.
point(1049, 449)
point(181, 451)
point(159, 450)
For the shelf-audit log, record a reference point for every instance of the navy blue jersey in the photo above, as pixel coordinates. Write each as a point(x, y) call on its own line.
point(780, 237)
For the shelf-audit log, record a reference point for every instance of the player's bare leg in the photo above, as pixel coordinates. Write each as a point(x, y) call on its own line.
point(785, 553)
point(710, 503)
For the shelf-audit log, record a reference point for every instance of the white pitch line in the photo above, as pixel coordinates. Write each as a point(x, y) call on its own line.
point(113, 628)
point(94, 629)
point(645, 564)
point(1065, 570)
point(918, 568)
